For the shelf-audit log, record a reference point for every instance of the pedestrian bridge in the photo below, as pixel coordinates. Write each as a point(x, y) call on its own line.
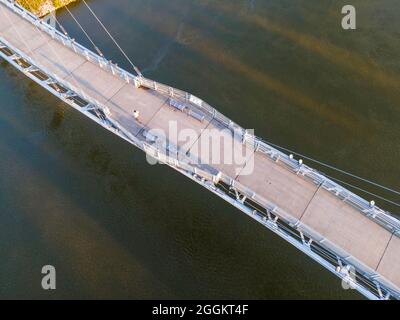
point(348, 235)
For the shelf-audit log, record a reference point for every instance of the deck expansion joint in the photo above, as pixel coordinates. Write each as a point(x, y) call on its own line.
point(152, 117)
point(384, 252)
point(309, 203)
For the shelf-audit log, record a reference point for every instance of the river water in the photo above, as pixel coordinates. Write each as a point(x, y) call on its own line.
point(79, 198)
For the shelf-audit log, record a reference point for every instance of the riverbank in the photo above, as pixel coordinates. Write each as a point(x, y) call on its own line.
point(43, 7)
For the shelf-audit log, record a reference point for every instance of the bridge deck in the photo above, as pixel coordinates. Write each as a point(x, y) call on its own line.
point(302, 199)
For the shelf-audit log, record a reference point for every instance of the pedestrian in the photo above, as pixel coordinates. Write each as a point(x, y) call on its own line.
point(136, 114)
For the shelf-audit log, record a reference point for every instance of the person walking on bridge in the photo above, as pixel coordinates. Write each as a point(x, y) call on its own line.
point(136, 114)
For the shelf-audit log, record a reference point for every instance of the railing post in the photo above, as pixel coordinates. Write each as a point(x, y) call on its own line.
point(73, 45)
point(111, 67)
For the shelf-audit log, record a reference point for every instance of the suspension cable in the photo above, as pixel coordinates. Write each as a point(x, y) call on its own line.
point(363, 190)
point(113, 39)
point(61, 26)
point(85, 33)
point(335, 168)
